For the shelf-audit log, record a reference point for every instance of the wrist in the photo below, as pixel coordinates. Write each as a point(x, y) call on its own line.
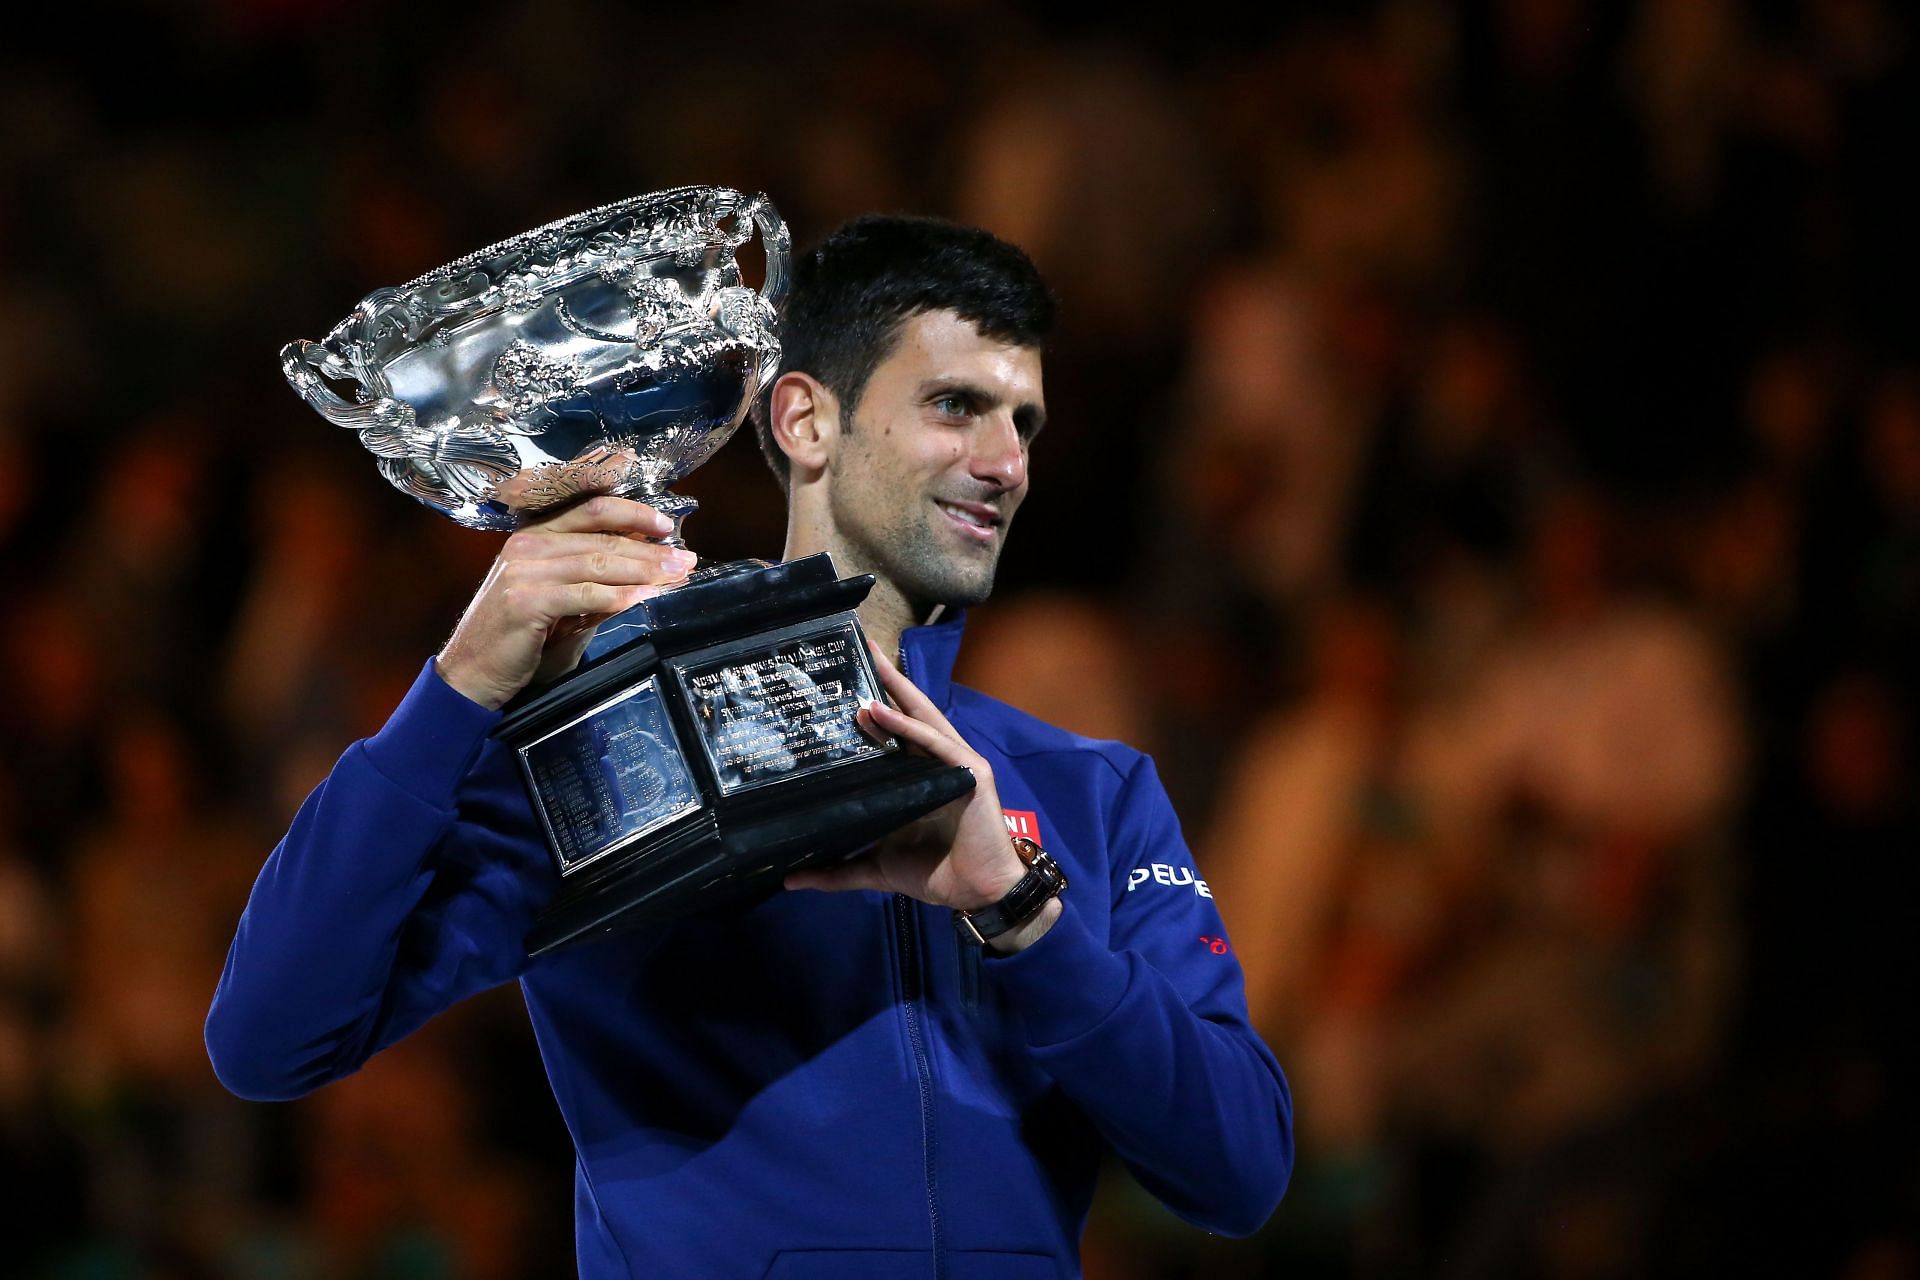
point(468, 683)
point(995, 885)
point(1020, 938)
point(1028, 908)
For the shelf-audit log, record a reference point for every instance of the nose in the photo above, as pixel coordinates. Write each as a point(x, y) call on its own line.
point(999, 455)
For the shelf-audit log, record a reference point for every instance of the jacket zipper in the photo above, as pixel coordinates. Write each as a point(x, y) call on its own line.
point(910, 999)
point(969, 973)
point(966, 955)
point(910, 1006)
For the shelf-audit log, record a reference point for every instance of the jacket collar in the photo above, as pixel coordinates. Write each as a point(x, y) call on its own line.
point(930, 653)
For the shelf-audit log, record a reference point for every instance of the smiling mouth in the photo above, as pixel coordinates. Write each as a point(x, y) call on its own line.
point(977, 520)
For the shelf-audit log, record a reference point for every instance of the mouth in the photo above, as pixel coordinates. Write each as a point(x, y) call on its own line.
point(976, 520)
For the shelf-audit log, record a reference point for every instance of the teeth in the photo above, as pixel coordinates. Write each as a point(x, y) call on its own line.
point(967, 516)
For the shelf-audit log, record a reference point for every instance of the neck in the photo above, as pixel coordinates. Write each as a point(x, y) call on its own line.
point(886, 614)
point(887, 611)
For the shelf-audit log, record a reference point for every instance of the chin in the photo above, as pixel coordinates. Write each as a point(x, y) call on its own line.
point(953, 587)
point(930, 571)
point(968, 598)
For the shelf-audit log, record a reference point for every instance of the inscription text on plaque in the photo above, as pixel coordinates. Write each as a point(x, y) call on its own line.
point(782, 707)
point(609, 777)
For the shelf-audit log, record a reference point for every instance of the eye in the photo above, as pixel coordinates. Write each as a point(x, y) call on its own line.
point(952, 406)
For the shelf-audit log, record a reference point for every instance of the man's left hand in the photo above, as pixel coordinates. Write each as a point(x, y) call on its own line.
point(960, 855)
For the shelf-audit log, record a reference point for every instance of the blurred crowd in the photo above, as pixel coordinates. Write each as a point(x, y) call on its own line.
point(1485, 471)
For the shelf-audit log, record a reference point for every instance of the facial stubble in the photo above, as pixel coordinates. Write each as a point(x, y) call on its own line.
point(909, 549)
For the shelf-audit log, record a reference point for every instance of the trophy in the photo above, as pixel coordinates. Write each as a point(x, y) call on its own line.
point(705, 746)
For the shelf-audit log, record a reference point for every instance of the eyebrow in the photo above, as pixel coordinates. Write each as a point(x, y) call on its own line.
point(1028, 418)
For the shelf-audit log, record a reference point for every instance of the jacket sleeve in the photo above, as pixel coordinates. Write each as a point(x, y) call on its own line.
point(392, 896)
point(1148, 1033)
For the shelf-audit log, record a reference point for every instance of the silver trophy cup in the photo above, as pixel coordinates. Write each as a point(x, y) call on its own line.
point(613, 351)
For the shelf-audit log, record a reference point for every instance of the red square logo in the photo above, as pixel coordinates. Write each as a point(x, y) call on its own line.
point(1023, 822)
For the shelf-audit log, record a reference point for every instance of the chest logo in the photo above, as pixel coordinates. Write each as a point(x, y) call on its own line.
point(1023, 822)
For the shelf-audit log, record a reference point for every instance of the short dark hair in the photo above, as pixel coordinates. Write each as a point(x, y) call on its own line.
point(854, 290)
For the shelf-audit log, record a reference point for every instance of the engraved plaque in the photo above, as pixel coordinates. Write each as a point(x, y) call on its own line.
point(781, 707)
point(609, 777)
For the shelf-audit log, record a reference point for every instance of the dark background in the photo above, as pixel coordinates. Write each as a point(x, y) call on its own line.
point(1485, 471)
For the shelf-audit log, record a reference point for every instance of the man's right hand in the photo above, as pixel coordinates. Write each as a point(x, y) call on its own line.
point(552, 584)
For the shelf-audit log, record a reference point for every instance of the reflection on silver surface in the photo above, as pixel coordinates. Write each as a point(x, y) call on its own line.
point(614, 350)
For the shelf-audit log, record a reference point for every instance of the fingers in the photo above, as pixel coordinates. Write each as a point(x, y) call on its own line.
point(552, 582)
point(542, 574)
point(550, 602)
point(608, 514)
point(538, 542)
point(881, 720)
point(654, 566)
point(861, 873)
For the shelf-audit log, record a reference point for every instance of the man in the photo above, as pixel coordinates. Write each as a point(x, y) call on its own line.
point(836, 1081)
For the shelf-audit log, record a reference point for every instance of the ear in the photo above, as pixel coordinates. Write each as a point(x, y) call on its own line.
point(804, 418)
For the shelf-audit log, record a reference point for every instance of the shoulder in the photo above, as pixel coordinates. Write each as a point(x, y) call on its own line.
point(1023, 737)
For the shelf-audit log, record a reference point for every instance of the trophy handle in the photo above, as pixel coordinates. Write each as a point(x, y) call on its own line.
point(305, 363)
point(775, 242)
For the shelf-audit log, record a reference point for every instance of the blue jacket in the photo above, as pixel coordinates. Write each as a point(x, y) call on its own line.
point(818, 1085)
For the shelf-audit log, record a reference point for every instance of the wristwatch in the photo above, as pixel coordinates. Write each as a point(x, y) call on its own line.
point(1043, 882)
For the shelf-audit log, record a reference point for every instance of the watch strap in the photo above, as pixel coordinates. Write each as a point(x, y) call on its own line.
point(1043, 882)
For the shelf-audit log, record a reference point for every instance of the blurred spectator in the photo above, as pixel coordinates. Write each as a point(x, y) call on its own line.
point(1268, 442)
point(1890, 586)
point(154, 885)
point(1368, 189)
point(44, 1212)
point(1312, 788)
point(396, 1184)
point(1684, 68)
point(1086, 165)
point(1064, 660)
point(1611, 712)
point(299, 620)
point(48, 729)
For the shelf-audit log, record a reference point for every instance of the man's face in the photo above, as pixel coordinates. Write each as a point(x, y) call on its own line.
point(933, 463)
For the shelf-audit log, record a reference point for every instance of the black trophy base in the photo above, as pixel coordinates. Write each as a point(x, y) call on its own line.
point(709, 866)
point(707, 747)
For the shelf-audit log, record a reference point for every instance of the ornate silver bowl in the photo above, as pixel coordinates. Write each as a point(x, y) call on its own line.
point(612, 351)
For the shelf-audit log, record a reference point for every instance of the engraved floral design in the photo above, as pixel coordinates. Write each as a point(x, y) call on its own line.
point(528, 379)
point(520, 293)
point(658, 302)
point(744, 314)
point(604, 468)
